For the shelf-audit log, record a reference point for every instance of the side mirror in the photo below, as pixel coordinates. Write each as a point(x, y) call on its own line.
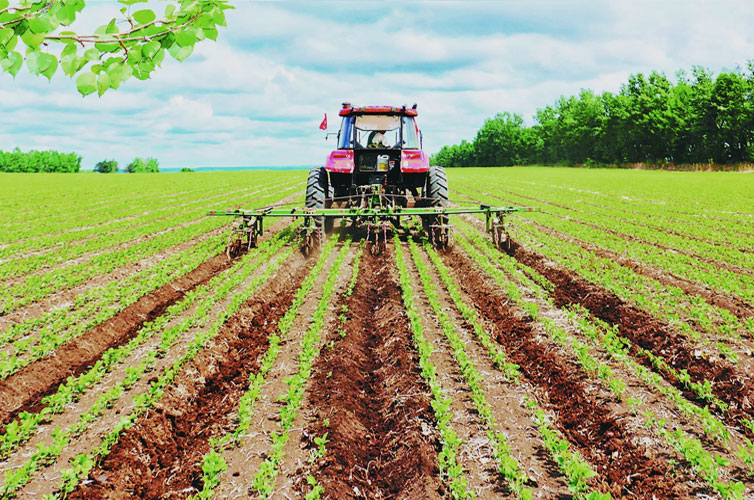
point(421, 140)
point(331, 133)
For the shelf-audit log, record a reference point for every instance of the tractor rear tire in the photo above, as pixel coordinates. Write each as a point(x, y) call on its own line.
point(317, 191)
point(436, 195)
point(437, 187)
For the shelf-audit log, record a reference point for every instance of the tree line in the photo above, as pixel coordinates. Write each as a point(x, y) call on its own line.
point(137, 166)
point(701, 118)
point(39, 161)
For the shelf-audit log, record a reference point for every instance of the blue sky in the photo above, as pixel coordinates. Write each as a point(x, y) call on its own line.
point(257, 95)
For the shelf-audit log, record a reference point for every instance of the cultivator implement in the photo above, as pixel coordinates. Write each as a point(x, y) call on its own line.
point(378, 220)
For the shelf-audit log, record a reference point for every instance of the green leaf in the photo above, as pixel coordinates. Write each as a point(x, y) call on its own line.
point(12, 63)
point(103, 83)
point(144, 16)
point(185, 38)
point(5, 35)
point(180, 53)
point(150, 49)
point(86, 83)
point(50, 64)
point(68, 60)
point(92, 55)
point(115, 73)
point(32, 40)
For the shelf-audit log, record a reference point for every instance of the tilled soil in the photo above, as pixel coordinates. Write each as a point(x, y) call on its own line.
point(160, 456)
point(24, 390)
point(381, 442)
point(648, 332)
point(624, 467)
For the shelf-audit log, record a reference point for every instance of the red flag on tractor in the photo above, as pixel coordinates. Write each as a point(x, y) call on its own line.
point(323, 125)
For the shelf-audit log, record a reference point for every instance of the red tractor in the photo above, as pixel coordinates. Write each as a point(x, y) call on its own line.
point(377, 176)
point(379, 152)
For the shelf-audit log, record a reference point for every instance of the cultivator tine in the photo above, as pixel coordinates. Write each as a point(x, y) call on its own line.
point(311, 235)
point(500, 236)
point(377, 236)
point(244, 236)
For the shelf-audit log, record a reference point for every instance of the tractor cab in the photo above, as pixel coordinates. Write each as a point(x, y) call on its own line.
point(377, 145)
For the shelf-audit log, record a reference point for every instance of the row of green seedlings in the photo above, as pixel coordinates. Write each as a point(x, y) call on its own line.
point(720, 327)
point(730, 322)
point(707, 465)
point(19, 431)
point(663, 301)
point(84, 230)
point(148, 226)
point(101, 303)
point(36, 287)
point(112, 205)
point(575, 469)
point(707, 229)
point(264, 480)
point(315, 489)
point(61, 438)
point(508, 466)
point(213, 462)
point(36, 345)
point(702, 389)
point(30, 348)
point(451, 471)
point(691, 258)
point(610, 219)
point(82, 464)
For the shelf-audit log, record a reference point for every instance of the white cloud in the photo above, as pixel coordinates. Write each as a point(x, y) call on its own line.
point(257, 95)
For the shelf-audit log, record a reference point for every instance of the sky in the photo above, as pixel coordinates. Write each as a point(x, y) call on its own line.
point(257, 96)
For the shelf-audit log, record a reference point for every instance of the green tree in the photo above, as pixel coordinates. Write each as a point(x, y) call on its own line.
point(40, 34)
point(106, 167)
point(504, 140)
point(39, 161)
point(143, 166)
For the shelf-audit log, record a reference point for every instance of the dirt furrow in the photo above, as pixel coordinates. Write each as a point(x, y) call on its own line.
point(24, 390)
point(160, 455)
point(48, 477)
point(369, 390)
point(624, 467)
point(648, 332)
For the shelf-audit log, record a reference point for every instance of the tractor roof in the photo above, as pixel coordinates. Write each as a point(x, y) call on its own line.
point(348, 110)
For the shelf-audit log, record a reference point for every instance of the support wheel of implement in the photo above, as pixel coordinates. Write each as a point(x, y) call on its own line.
point(317, 191)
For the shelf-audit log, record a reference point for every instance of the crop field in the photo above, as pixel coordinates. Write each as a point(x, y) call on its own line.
point(606, 354)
